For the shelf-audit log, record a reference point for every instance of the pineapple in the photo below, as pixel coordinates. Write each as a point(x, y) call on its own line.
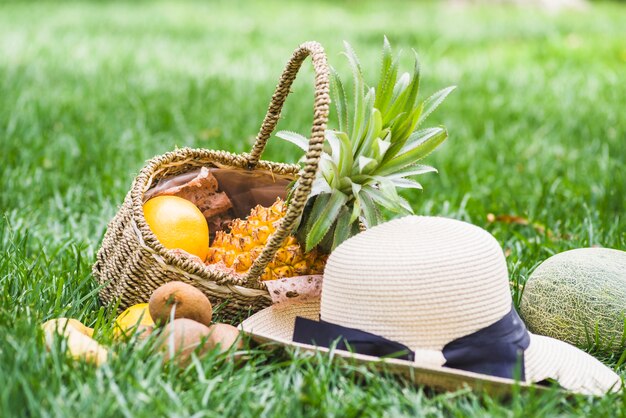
point(239, 248)
point(367, 159)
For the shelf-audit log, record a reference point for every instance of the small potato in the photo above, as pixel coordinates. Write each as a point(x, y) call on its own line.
point(223, 336)
point(144, 331)
point(182, 337)
point(186, 301)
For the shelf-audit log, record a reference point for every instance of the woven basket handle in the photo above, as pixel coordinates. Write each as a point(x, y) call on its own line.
point(307, 174)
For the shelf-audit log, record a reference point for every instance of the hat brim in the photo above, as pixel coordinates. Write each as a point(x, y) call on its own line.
point(545, 358)
point(574, 370)
point(274, 325)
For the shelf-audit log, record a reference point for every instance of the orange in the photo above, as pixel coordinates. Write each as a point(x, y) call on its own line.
point(178, 223)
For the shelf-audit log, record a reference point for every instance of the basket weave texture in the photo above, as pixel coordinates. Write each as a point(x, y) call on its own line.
point(132, 263)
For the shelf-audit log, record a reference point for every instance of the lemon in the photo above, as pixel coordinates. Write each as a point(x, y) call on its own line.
point(136, 317)
point(178, 224)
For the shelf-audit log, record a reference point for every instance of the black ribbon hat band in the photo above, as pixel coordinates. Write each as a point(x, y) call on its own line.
point(496, 350)
point(325, 334)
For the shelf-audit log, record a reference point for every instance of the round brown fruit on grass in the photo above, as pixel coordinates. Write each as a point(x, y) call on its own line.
point(143, 332)
point(184, 299)
point(182, 337)
point(224, 336)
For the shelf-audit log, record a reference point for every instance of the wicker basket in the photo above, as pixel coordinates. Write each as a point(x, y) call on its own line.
point(131, 262)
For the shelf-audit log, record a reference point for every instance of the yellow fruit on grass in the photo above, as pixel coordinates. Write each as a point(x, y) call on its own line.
point(84, 329)
point(80, 345)
point(136, 318)
point(178, 223)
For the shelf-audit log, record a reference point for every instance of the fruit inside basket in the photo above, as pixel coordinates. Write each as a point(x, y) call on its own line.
point(242, 209)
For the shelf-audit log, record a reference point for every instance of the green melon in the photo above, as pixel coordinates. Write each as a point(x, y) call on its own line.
point(579, 296)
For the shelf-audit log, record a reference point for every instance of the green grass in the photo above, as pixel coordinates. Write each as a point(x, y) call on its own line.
point(88, 92)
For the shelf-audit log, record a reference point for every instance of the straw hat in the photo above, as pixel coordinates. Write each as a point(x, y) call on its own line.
point(436, 292)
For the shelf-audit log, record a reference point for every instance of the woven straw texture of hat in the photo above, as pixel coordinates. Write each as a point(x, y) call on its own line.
point(131, 262)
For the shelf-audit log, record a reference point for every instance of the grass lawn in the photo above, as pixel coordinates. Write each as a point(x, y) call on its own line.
point(89, 91)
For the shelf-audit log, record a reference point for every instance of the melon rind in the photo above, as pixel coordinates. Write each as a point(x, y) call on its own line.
point(579, 296)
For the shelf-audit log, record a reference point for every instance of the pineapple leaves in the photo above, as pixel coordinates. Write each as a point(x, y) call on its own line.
point(359, 99)
point(343, 227)
point(406, 184)
point(341, 102)
point(419, 137)
point(398, 100)
point(318, 206)
point(366, 164)
point(294, 138)
point(313, 209)
point(412, 170)
point(369, 212)
point(434, 101)
point(335, 145)
point(341, 157)
point(401, 133)
point(405, 93)
point(399, 88)
point(356, 209)
point(414, 86)
point(415, 153)
point(328, 169)
point(326, 218)
point(404, 115)
point(370, 97)
point(387, 80)
point(372, 152)
point(391, 204)
point(319, 186)
point(373, 132)
point(381, 148)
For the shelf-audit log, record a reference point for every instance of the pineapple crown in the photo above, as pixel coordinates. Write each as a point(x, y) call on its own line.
point(372, 154)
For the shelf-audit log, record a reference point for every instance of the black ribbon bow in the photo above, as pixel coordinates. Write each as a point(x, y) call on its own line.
point(496, 350)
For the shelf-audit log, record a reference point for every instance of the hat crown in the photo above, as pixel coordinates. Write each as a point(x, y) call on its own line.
point(421, 281)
